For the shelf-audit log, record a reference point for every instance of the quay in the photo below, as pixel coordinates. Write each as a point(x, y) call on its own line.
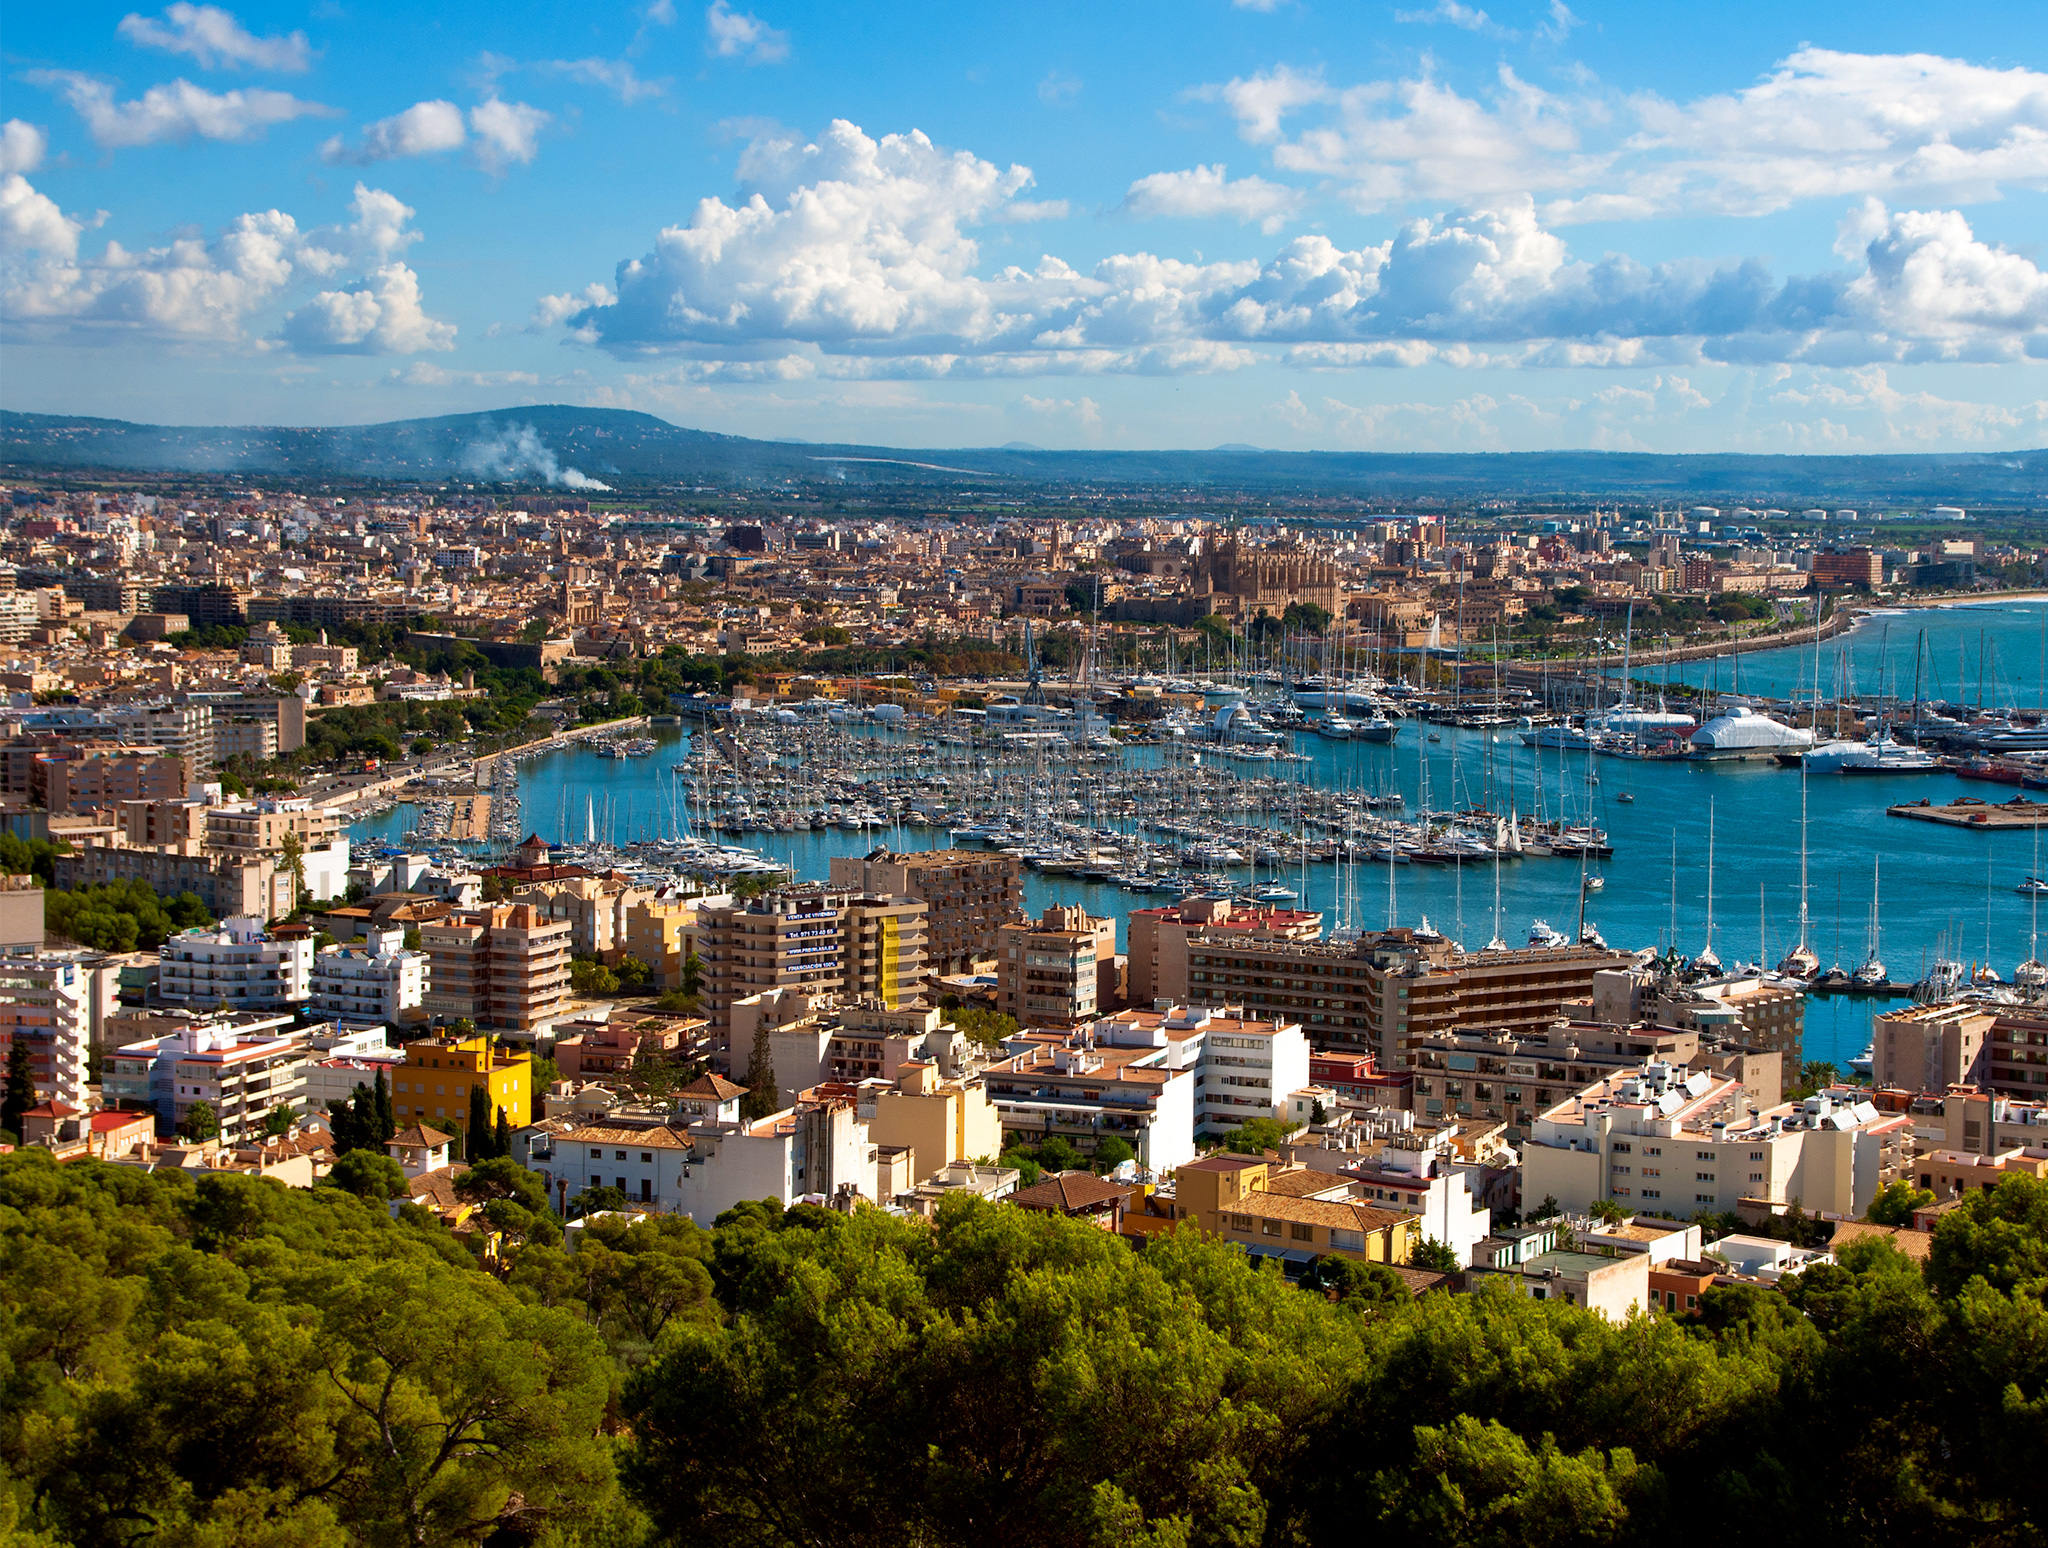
point(1973, 812)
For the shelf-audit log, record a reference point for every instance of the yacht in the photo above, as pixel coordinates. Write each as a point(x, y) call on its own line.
point(1865, 1061)
point(1377, 729)
point(2033, 887)
point(1589, 935)
point(1542, 936)
point(1334, 727)
point(1877, 755)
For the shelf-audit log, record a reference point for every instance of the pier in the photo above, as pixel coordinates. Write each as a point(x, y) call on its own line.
point(1972, 812)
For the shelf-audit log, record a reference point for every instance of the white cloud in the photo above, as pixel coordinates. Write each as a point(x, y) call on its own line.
point(193, 290)
point(424, 373)
point(1465, 17)
point(1823, 125)
point(506, 132)
point(216, 40)
point(855, 255)
point(1256, 5)
point(421, 130)
point(381, 314)
point(174, 112)
point(549, 311)
point(31, 222)
point(22, 146)
point(1560, 24)
point(742, 35)
point(1059, 88)
point(1084, 414)
point(1205, 193)
point(616, 75)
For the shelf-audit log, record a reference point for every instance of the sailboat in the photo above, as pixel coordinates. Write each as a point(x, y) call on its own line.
point(1800, 961)
point(1873, 970)
point(1707, 961)
point(2031, 976)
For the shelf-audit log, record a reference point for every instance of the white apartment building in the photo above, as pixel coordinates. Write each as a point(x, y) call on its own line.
point(1661, 1140)
point(372, 980)
point(342, 1057)
point(702, 1169)
point(55, 1003)
point(237, 964)
point(241, 1067)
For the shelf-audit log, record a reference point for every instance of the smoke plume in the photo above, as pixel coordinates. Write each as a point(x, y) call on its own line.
point(519, 452)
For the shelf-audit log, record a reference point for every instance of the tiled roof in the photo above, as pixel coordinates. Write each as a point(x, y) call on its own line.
point(1337, 1217)
point(1067, 1192)
point(716, 1087)
point(420, 1134)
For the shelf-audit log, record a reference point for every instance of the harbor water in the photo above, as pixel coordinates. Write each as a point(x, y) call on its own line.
point(1933, 891)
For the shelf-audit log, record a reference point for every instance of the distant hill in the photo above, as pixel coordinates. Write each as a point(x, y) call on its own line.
point(582, 448)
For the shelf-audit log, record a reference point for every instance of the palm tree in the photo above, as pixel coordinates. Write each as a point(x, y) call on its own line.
point(291, 852)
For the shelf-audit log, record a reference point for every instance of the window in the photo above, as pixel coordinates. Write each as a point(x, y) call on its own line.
point(1756, 1176)
point(597, 1155)
point(1653, 1150)
point(1703, 1155)
point(1703, 1198)
point(1240, 1222)
point(620, 1155)
point(1652, 1193)
point(1302, 1233)
point(646, 1156)
point(1269, 1228)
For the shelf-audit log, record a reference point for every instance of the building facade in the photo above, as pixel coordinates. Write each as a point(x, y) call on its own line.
point(504, 965)
point(968, 895)
point(237, 965)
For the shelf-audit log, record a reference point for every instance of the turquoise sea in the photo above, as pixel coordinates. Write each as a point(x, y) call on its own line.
point(1941, 891)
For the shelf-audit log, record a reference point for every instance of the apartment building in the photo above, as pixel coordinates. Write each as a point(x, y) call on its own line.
point(183, 729)
point(434, 1081)
point(503, 965)
point(662, 932)
point(939, 1120)
point(1862, 567)
point(55, 1004)
point(1387, 991)
point(968, 895)
point(705, 1167)
point(241, 1066)
point(373, 979)
point(246, 830)
point(1933, 1047)
point(1158, 940)
point(597, 909)
point(814, 940)
point(79, 780)
point(1290, 1214)
point(2016, 1055)
point(236, 965)
point(1494, 1074)
point(1057, 970)
point(256, 887)
point(1660, 1138)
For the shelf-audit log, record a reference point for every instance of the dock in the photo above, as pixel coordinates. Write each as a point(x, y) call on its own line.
point(1974, 812)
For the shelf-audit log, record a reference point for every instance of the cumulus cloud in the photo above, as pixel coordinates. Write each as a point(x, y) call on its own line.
point(1822, 125)
point(424, 373)
point(853, 256)
point(177, 111)
point(215, 40)
point(421, 130)
point(191, 289)
point(380, 314)
point(549, 311)
point(30, 222)
point(615, 75)
point(1205, 193)
point(22, 146)
point(506, 132)
point(734, 34)
point(1559, 25)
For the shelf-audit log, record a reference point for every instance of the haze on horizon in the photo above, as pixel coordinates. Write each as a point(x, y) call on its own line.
point(1401, 227)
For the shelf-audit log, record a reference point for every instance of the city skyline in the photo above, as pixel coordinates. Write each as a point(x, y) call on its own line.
point(1447, 228)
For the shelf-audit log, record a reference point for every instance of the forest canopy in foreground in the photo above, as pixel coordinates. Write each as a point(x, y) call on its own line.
point(227, 1364)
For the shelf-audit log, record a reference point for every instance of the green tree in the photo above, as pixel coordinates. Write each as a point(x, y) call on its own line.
point(1360, 1286)
point(986, 1027)
point(1256, 1135)
point(291, 855)
point(1895, 1203)
point(279, 1120)
point(1998, 1235)
point(20, 1094)
point(478, 1128)
point(200, 1123)
point(368, 1174)
point(1607, 1211)
point(692, 984)
point(1435, 1257)
point(1479, 1483)
point(597, 1198)
point(761, 1098)
point(1111, 1152)
point(386, 1115)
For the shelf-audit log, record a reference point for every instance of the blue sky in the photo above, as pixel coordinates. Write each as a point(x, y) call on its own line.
point(1421, 226)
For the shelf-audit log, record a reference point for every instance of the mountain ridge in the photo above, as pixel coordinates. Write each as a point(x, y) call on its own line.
point(597, 448)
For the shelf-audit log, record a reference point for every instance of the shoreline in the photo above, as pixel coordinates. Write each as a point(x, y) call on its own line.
point(1845, 618)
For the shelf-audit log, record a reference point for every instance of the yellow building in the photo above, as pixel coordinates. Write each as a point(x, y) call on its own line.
point(1290, 1212)
point(662, 935)
point(435, 1080)
point(941, 1121)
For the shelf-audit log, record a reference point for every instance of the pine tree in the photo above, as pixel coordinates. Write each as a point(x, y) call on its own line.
point(501, 1138)
point(387, 1120)
point(760, 1099)
point(21, 1087)
point(479, 1126)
